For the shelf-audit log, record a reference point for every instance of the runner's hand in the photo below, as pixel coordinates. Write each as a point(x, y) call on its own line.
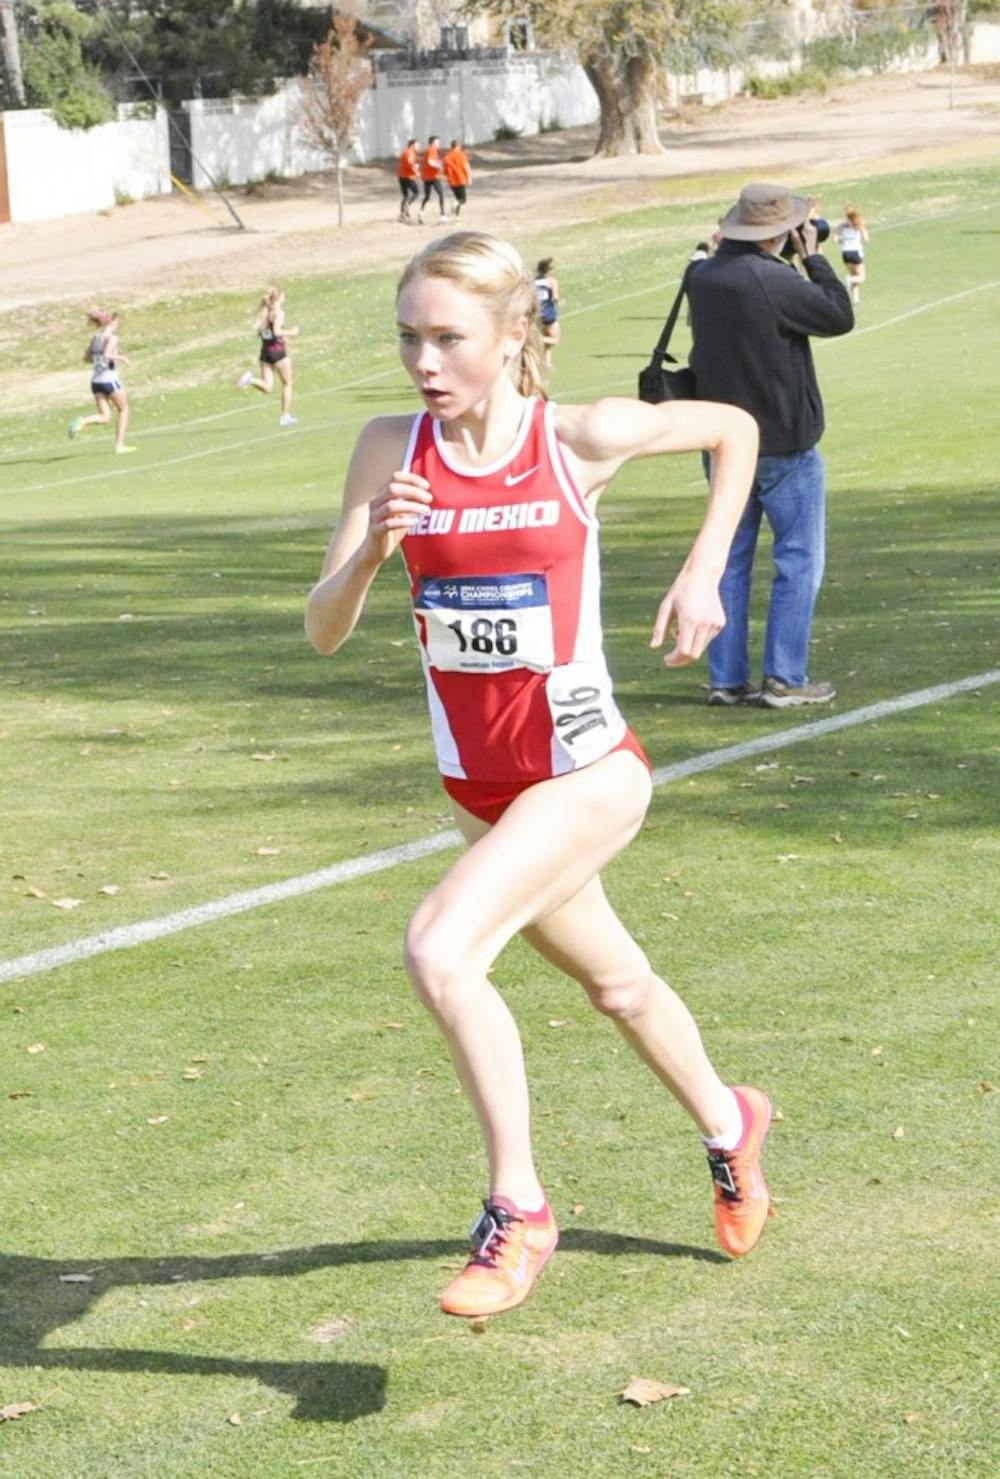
point(394, 510)
point(693, 607)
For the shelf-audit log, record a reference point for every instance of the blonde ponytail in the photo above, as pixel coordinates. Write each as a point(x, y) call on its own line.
point(530, 376)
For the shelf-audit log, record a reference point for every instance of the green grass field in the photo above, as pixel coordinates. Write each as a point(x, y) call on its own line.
point(247, 1136)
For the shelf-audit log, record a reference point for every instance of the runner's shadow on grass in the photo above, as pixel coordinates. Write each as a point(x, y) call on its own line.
point(40, 1296)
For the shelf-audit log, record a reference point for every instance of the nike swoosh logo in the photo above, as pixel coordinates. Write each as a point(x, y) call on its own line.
point(513, 478)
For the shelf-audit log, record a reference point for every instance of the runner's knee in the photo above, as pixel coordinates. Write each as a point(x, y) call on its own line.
point(438, 960)
point(623, 991)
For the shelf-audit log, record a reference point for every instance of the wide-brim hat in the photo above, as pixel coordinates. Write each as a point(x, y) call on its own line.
point(764, 211)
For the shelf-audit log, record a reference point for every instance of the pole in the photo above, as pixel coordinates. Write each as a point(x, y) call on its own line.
point(170, 122)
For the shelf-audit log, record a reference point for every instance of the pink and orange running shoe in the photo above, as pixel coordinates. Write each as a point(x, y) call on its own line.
point(742, 1203)
point(510, 1248)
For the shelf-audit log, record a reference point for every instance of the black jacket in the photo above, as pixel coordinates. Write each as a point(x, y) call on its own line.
point(751, 315)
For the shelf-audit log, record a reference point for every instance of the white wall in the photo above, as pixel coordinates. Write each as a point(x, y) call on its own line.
point(985, 43)
point(55, 171)
point(467, 99)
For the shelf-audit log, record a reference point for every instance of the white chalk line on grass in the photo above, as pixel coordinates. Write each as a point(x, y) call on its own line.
point(983, 287)
point(128, 935)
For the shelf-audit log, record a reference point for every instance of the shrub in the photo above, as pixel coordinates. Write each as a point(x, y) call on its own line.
point(505, 131)
point(876, 51)
point(122, 197)
point(807, 79)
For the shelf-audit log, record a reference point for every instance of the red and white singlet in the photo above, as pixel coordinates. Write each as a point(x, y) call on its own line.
point(505, 580)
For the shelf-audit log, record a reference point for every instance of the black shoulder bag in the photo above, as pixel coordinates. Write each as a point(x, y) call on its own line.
point(656, 383)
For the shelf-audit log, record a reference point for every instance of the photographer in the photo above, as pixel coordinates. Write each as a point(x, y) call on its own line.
point(751, 317)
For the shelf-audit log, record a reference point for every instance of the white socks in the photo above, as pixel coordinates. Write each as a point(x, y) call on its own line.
point(733, 1133)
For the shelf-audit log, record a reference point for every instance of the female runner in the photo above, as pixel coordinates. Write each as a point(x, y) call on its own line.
point(490, 493)
point(103, 356)
point(547, 293)
point(274, 354)
point(852, 234)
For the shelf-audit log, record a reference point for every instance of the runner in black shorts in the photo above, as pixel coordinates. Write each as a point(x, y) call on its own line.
point(274, 354)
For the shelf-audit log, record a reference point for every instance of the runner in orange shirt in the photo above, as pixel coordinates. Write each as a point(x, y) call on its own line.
point(408, 175)
point(457, 173)
point(431, 170)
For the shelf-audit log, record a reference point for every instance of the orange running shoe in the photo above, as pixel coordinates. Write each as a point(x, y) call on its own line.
point(509, 1250)
point(741, 1199)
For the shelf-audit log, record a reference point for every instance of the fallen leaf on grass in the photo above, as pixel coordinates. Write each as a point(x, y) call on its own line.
point(37, 1047)
point(330, 1330)
point(837, 836)
point(35, 893)
point(643, 1390)
point(478, 1327)
point(911, 1417)
point(264, 755)
point(234, 1420)
point(557, 1022)
point(160, 877)
point(158, 1119)
point(66, 903)
point(76, 1278)
point(268, 852)
point(639, 1448)
point(191, 1074)
point(15, 1409)
point(357, 1097)
point(577, 1208)
point(20, 1094)
point(985, 1087)
point(899, 1133)
point(108, 888)
point(788, 857)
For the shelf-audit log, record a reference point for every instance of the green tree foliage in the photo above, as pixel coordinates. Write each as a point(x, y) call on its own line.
point(211, 47)
point(622, 46)
point(56, 74)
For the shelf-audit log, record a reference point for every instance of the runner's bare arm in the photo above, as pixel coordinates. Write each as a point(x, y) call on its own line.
point(600, 438)
point(380, 505)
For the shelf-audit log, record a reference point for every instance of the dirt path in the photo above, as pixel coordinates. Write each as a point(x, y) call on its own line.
point(161, 246)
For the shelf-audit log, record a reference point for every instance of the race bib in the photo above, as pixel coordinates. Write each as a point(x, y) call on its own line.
point(486, 623)
point(586, 721)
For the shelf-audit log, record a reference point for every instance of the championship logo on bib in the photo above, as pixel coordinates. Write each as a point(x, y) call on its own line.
point(486, 624)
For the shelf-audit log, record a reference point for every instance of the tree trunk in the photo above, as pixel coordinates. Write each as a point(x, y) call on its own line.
point(626, 91)
point(340, 188)
point(11, 52)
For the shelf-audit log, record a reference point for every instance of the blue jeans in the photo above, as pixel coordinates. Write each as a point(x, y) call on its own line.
point(788, 491)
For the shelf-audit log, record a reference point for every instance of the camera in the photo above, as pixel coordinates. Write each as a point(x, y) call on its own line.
point(822, 234)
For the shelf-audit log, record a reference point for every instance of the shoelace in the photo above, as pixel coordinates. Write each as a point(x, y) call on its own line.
point(489, 1235)
point(721, 1164)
